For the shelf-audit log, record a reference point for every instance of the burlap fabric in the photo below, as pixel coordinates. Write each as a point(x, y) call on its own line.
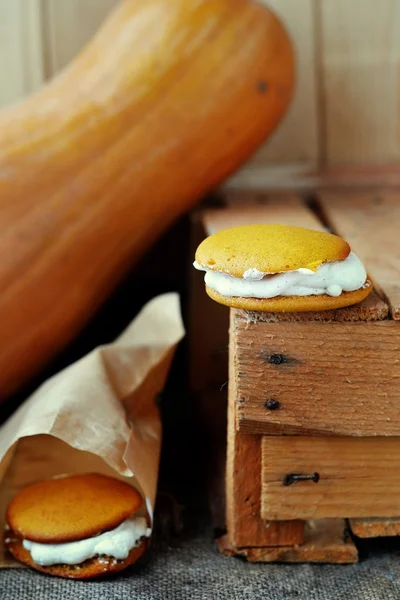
point(191, 568)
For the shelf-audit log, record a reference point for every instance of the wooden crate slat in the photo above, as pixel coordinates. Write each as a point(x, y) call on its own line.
point(358, 477)
point(288, 177)
point(245, 207)
point(370, 223)
point(21, 49)
point(325, 541)
point(329, 378)
point(371, 528)
point(68, 26)
point(359, 69)
point(297, 139)
point(243, 489)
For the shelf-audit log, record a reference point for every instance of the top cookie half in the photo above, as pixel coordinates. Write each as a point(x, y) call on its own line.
point(269, 249)
point(72, 508)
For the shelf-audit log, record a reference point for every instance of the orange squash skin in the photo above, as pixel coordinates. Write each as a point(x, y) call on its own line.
point(167, 100)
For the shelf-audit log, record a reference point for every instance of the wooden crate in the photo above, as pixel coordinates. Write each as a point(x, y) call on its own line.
point(309, 393)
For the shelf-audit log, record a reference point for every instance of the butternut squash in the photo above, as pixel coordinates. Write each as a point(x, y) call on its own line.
point(168, 99)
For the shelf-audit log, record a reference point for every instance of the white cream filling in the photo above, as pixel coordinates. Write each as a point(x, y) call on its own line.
point(116, 543)
point(332, 278)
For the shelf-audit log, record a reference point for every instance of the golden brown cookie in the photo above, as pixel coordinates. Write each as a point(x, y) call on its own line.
point(67, 516)
point(281, 268)
point(100, 566)
point(71, 508)
point(269, 248)
point(294, 303)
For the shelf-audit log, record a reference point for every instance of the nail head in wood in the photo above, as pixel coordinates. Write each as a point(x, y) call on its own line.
point(272, 404)
point(291, 478)
point(276, 359)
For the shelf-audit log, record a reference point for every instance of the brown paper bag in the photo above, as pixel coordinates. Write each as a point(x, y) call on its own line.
point(99, 414)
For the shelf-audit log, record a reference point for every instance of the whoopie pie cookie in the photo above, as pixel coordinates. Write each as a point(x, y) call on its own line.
point(77, 526)
point(281, 268)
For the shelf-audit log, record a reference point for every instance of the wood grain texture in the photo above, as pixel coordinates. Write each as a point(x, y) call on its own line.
point(245, 207)
point(68, 26)
point(296, 140)
point(371, 528)
point(359, 477)
point(296, 178)
point(329, 378)
point(243, 488)
point(21, 51)
point(325, 541)
point(369, 221)
point(360, 80)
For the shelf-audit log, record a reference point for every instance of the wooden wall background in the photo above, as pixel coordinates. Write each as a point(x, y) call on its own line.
point(347, 104)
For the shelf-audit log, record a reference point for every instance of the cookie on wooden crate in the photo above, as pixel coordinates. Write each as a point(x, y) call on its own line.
point(281, 268)
point(78, 526)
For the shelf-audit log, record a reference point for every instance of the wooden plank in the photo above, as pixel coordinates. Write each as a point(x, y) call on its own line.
point(68, 25)
point(21, 52)
point(244, 207)
point(325, 541)
point(360, 79)
point(369, 221)
point(329, 378)
point(297, 137)
point(300, 178)
point(358, 477)
point(243, 488)
point(371, 528)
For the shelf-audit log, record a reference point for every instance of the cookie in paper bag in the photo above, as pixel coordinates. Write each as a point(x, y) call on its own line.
point(78, 526)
